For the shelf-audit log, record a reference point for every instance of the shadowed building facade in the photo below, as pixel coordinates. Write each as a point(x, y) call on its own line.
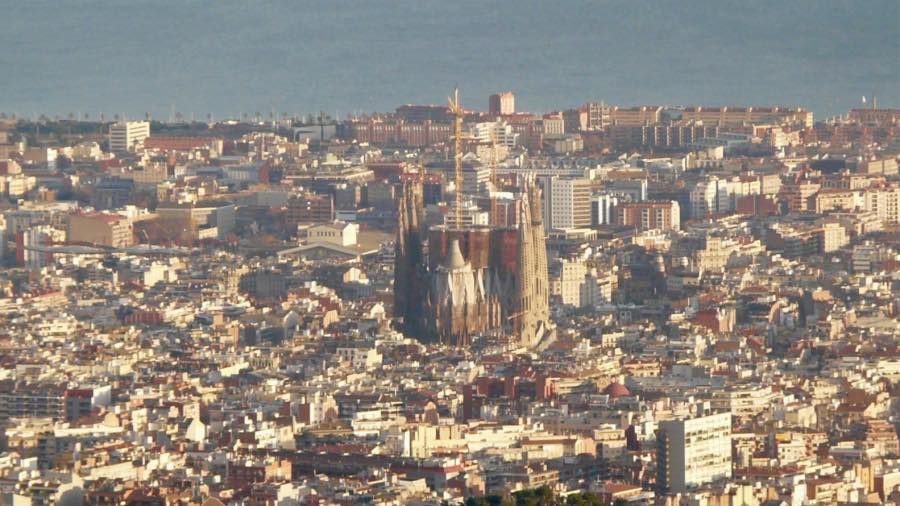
point(470, 281)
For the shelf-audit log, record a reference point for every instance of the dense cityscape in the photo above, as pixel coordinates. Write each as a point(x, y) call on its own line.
point(461, 303)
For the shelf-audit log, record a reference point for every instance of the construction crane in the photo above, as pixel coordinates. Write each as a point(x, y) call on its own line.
point(493, 159)
point(457, 111)
point(493, 167)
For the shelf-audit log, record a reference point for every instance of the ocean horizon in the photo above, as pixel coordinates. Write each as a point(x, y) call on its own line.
point(229, 58)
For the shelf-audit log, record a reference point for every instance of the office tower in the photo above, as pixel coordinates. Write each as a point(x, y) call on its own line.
point(693, 452)
point(603, 209)
point(502, 103)
point(567, 202)
point(125, 135)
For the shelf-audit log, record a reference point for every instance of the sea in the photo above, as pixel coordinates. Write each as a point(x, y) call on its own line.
point(217, 59)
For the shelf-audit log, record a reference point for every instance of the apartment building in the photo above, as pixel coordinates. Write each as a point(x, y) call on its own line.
point(567, 278)
point(311, 208)
point(211, 219)
point(732, 116)
point(124, 136)
point(109, 230)
point(694, 452)
point(649, 215)
point(567, 202)
point(502, 103)
point(884, 203)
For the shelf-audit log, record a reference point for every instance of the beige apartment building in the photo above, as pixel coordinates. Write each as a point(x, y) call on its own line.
point(723, 116)
point(101, 230)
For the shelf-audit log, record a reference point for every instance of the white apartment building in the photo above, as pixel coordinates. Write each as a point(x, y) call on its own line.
point(34, 241)
point(693, 452)
point(125, 135)
point(709, 197)
point(360, 358)
point(567, 203)
point(568, 284)
point(602, 206)
point(885, 203)
point(469, 215)
point(598, 288)
point(745, 402)
point(495, 132)
point(475, 179)
point(339, 233)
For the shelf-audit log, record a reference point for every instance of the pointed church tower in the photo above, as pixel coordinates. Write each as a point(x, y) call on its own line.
point(409, 259)
point(532, 313)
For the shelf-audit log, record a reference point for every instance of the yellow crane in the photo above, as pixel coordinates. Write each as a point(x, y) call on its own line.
point(457, 111)
point(493, 167)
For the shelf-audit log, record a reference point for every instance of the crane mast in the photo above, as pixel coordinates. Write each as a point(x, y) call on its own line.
point(457, 112)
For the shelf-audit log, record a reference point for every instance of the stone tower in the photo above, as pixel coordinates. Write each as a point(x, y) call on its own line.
point(410, 277)
point(532, 311)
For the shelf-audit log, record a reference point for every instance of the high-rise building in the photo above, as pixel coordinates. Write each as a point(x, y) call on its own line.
point(603, 209)
point(693, 452)
point(567, 202)
point(502, 103)
point(125, 135)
